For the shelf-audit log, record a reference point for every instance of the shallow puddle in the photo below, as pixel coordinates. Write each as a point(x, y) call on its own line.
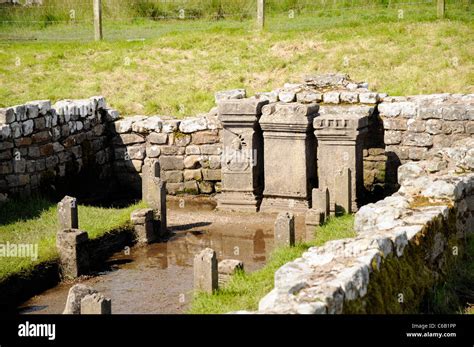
point(158, 278)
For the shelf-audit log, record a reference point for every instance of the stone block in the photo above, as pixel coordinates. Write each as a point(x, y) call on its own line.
point(191, 125)
point(68, 213)
point(154, 193)
point(343, 191)
point(157, 138)
point(192, 175)
point(284, 232)
point(175, 176)
point(75, 295)
point(321, 201)
point(171, 162)
point(191, 187)
point(143, 225)
point(192, 161)
point(205, 137)
point(332, 97)
point(96, 304)
point(172, 150)
point(206, 271)
point(229, 95)
point(313, 219)
point(73, 252)
point(211, 175)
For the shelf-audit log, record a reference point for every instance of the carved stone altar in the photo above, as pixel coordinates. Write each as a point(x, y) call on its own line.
point(289, 156)
point(340, 132)
point(242, 157)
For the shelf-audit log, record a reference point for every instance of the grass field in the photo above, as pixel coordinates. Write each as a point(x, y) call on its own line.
point(179, 65)
point(245, 290)
point(34, 221)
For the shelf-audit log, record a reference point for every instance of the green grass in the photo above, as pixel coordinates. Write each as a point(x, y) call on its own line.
point(34, 221)
point(245, 290)
point(456, 293)
point(179, 65)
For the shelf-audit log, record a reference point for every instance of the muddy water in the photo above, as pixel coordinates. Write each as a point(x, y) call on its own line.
point(158, 278)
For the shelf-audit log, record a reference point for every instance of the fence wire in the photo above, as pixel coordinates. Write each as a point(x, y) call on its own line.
point(73, 20)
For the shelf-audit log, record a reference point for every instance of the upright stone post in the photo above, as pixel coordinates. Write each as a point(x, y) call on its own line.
point(342, 192)
point(242, 157)
point(320, 201)
point(96, 304)
point(154, 194)
point(73, 253)
point(143, 225)
point(289, 156)
point(340, 132)
point(67, 213)
point(313, 219)
point(206, 274)
point(285, 229)
point(76, 293)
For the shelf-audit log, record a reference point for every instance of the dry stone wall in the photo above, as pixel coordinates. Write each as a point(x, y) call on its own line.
point(188, 151)
point(40, 144)
point(414, 127)
point(406, 243)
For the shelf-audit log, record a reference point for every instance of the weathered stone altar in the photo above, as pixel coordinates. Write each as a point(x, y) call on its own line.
point(289, 156)
point(242, 164)
point(340, 131)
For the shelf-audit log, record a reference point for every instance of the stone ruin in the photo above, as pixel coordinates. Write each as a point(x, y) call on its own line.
point(323, 147)
point(332, 132)
point(419, 231)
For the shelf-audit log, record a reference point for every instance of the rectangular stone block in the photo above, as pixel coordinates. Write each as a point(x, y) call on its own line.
point(154, 193)
point(68, 213)
point(171, 162)
point(321, 200)
point(284, 229)
point(313, 219)
point(343, 192)
point(73, 252)
point(206, 271)
point(96, 304)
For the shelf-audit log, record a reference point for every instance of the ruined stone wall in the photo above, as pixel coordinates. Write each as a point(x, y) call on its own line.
point(42, 147)
point(414, 127)
point(188, 151)
point(406, 244)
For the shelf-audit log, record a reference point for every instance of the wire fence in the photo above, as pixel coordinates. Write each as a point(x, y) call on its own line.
point(57, 20)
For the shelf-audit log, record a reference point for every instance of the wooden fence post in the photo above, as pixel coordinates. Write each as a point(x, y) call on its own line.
point(441, 8)
point(97, 20)
point(260, 14)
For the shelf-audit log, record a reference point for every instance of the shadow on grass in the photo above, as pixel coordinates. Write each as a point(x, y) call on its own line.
point(23, 209)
